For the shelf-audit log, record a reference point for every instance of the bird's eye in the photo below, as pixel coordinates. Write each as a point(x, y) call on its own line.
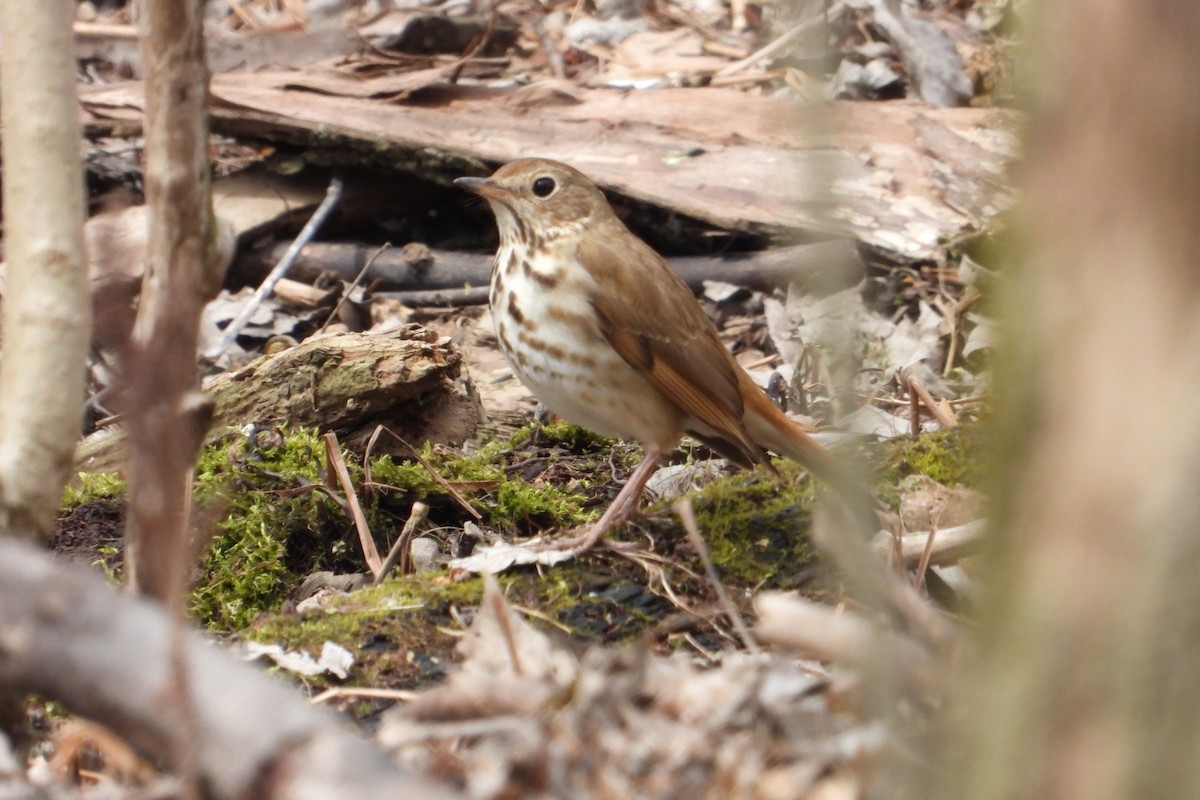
point(542, 187)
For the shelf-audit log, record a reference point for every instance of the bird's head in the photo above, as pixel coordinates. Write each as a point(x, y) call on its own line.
point(538, 198)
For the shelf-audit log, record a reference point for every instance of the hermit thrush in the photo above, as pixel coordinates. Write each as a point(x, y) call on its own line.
point(598, 326)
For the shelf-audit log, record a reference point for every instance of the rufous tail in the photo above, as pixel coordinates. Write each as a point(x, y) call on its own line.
point(775, 431)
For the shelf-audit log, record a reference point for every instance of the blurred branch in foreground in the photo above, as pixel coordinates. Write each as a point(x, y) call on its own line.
point(1089, 672)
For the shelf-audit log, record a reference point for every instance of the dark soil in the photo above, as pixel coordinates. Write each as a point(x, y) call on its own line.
point(91, 534)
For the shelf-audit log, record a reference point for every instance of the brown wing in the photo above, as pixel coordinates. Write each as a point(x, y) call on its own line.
point(650, 317)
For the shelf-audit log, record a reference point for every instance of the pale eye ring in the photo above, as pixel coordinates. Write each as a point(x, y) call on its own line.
point(544, 186)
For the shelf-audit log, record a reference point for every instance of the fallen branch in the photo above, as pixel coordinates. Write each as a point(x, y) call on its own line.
point(66, 635)
point(949, 545)
point(835, 264)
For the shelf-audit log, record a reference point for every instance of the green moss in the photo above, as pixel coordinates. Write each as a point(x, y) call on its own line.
point(295, 457)
point(397, 630)
point(349, 618)
point(310, 631)
point(564, 434)
point(514, 503)
point(507, 502)
point(87, 487)
point(756, 525)
point(949, 457)
point(273, 525)
point(270, 512)
point(482, 467)
point(403, 633)
point(267, 516)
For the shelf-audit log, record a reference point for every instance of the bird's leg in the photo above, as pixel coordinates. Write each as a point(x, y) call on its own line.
point(623, 506)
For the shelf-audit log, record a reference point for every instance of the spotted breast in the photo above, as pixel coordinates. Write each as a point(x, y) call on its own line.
point(550, 334)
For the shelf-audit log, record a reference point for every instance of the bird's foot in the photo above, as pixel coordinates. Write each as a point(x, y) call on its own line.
point(582, 540)
point(623, 508)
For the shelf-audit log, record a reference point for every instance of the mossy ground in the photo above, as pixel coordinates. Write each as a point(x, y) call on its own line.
point(952, 458)
point(756, 526)
point(277, 524)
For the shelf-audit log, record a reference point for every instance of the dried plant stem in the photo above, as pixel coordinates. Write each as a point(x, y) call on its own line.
point(683, 509)
point(399, 552)
point(337, 464)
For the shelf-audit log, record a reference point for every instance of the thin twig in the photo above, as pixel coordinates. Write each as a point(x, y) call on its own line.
point(433, 473)
point(950, 315)
point(917, 388)
point(399, 551)
point(950, 545)
point(926, 554)
point(368, 477)
point(245, 16)
point(774, 47)
point(338, 464)
point(495, 598)
point(683, 508)
point(544, 617)
point(872, 584)
point(764, 361)
point(476, 46)
point(332, 195)
point(704, 652)
point(956, 401)
point(337, 693)
point(354, 284)
point(914, 409)
point(738, 80)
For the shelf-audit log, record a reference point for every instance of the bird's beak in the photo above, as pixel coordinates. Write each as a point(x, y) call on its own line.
point(484, 187)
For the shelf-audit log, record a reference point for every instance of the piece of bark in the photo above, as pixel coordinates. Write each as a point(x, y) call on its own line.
point(337, 381)
point(348, 383)
point(116, 250)
point(845, 168)
point(247, 204)
point(833, 264)
point(304, 295)
point(115, 242)
point(67, 635)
